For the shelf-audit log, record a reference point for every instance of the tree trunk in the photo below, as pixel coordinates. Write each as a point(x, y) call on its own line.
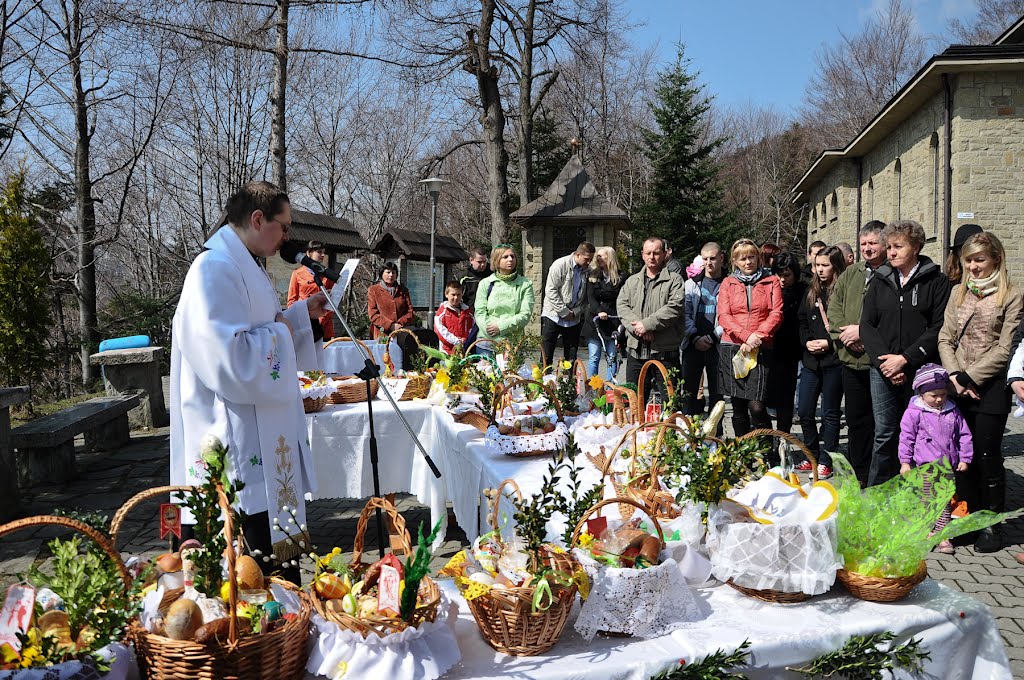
point(526, 109)
point(85, 205)
point(277, 98)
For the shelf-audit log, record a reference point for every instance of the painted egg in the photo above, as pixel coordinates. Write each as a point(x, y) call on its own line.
point(273, 610)
point(331, 586)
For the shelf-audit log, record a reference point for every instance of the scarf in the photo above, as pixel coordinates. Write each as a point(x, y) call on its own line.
point(507, 278)
point(390, 289)
point(749, 279)
point(984, 287)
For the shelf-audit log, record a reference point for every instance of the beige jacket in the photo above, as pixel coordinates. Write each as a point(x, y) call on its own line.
point(983, 331)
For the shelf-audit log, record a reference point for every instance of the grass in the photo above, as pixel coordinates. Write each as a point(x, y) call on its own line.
point(21, 415)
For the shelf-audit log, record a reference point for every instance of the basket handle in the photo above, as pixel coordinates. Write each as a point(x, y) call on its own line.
point(129, 505)
point(511, 483)
point(620, 411)
point(345, 338)
point(643, 378)
point(663, 424)
point(391, 336)
point(608, 501)
point(795, 441)
point(495, 343)
point(54, 520)
point(364, 518)
point(501, 389)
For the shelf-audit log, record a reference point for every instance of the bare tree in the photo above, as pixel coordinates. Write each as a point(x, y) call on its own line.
point(994, 17)
point(854, 78)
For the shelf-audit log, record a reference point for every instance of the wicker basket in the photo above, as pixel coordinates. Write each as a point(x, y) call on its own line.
point(500, 393)
point(418, 386)
point(314, 405)
point(622, 416)
point(879, 588)
point(641, 396)
point(380, 625)
point(356, 392)
point(280, 653)
point(474, 418)
point(506, 617)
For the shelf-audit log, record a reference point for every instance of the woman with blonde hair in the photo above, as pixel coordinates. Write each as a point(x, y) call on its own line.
point(749, 312)
point(601, 317)
point(504, 300)
point(975, 345)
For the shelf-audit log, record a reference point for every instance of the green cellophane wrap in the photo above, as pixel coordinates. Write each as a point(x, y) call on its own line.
point(884, 530)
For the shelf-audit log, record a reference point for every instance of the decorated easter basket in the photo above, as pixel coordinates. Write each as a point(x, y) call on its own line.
point(880, 588)
point(417, 386)
point(74, 668)
point(767, 538)
point(316, 397)
point(380, 625)
point(506, 617)
point(353, 390)
point(642, 379)
point(280, 653)
point(592, 437)
point(525, 445)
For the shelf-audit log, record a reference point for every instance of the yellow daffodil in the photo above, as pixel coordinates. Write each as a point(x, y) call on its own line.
point(536, 373)
point(586, 538)
point(566, 365)
point(596, 382)
point(443, 379)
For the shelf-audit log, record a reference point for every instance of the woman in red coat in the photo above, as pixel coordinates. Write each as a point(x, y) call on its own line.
point(388, 303)
point(749, 312)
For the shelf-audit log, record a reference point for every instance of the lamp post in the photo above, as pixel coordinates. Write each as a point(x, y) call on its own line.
point(433, 186)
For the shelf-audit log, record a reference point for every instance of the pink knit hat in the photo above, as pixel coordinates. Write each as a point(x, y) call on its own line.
point(930, 377)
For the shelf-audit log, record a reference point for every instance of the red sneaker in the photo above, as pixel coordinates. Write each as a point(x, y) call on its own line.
point(824, 471)
point(804, 466)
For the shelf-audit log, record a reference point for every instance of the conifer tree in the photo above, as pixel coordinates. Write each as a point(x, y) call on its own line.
point(24, 308)
point(685, 200)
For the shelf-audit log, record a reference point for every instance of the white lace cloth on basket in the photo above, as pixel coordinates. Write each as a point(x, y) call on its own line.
point(422, 653)
point(789, 558)
point(644, 603)
point(510, 445)
point(316, 391)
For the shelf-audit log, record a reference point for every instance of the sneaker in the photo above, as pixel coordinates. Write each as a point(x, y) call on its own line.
point(824, 471)
point(945, 547)
point(803, 467)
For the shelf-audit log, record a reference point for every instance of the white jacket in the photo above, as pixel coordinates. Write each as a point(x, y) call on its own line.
point(558, 291)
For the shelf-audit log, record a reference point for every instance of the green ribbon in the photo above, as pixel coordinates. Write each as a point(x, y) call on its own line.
point(542, 589)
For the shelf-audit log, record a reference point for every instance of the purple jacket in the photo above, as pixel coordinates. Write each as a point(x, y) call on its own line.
point(927, 435)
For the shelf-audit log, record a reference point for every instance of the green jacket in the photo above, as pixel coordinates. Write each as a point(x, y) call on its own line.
point(662, 313)
point(509, 305)
point(844, 308)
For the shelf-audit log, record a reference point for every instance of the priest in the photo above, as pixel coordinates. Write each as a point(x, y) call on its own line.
point(234, 357)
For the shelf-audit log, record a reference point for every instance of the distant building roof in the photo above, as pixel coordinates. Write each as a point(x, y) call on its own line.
point(415, 245)
point(334, 232)
point(572, 196)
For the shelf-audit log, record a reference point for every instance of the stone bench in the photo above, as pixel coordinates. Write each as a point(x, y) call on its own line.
point(125, 370)
point(9, 504)
point(46, 446)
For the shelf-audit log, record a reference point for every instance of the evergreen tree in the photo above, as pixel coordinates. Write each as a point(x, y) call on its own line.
point(685, 201)
point(24, 308)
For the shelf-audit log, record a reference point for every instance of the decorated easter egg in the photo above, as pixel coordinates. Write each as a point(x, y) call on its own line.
point(331, 586)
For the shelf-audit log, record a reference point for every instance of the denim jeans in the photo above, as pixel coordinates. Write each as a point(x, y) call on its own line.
point(889, 402)
point(828, 384)
point(596, 351)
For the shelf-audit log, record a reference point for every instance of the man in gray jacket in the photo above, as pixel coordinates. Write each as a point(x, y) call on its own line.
point(651, 307)
point(565, 295)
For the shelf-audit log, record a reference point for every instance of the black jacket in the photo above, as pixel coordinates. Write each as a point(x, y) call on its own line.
point(812, 327)
point(786, 346)
point(470, 282)
point(600, 297)
point(904, 320)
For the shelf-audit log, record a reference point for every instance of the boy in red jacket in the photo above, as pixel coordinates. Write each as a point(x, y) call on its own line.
point(453, 320)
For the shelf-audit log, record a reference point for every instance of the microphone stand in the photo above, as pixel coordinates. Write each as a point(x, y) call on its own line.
point(370, 372)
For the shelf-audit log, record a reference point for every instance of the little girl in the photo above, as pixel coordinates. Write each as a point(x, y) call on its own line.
point(933, 429)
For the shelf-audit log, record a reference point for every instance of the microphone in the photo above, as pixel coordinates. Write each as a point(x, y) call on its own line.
point(293, 254)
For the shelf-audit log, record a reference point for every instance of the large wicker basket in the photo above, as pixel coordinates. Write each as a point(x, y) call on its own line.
point(506, 617)
point(418, 386)
point(881, 589)
point(354, 392)
point(380, 625)
point(280, 653)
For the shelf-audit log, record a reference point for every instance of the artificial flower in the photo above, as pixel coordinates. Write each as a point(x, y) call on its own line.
point(596, 382)
point(566, 364)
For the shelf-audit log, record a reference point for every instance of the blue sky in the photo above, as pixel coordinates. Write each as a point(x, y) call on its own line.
point(763, 50)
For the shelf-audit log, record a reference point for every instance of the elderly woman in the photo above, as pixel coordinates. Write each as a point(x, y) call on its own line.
point(504, 300)
point(388, 303)
point(899, 326)
point(975, 344)
point(749, 312)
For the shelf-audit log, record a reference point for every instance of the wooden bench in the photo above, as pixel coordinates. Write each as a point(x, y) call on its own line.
point(46, 446)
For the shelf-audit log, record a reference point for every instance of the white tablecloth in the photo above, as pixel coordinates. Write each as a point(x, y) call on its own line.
point(344, 358)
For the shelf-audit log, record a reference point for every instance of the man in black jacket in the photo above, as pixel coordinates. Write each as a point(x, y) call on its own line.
point(479, 269)
point(899, 326)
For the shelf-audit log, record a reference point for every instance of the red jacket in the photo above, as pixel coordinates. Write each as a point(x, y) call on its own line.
point(385, 310)
point(302, 286)
point(763, 315)
point(452, 327)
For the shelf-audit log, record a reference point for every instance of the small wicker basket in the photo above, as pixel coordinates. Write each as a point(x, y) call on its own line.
point(625, 410)
point(500, 391)
point(314, 405)
point(418, 386)
point(641, 396)
point(879, 588)
point(355, 392)
point(380, 625)
point(506, 617)
point(281, 653)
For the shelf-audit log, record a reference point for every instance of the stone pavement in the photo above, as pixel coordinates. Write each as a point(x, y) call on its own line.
point(107, 480)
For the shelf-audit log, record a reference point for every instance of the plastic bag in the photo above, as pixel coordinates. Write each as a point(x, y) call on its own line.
point(743, 363)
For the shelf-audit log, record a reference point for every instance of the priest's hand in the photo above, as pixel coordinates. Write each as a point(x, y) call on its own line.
point(280, 319)
point(316, 305)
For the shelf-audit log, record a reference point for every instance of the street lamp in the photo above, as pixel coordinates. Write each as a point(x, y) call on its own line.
point(433, 186)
